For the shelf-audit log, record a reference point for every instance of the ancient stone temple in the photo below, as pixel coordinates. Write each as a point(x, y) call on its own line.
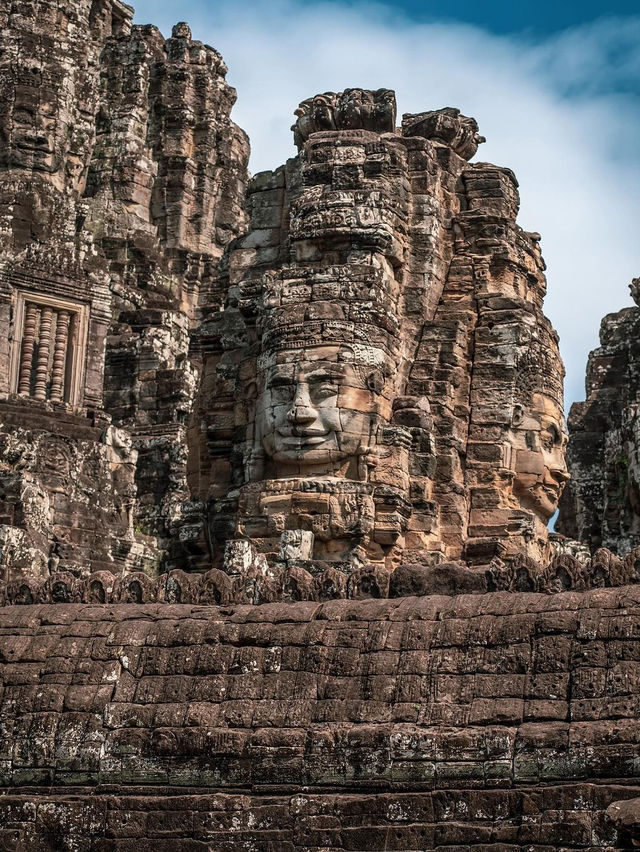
point(277, 462)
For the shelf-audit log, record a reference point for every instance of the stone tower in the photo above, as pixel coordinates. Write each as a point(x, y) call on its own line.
point(382, 379)
point(602, 505)
point(121, 182)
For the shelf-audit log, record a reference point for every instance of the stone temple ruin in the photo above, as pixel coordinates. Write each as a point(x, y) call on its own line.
point(278, 457)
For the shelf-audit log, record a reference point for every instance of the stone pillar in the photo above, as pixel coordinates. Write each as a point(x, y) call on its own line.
point(32, 313)
point(44, 350)
point(59, 356)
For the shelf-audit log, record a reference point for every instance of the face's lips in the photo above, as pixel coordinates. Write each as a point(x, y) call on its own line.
point(303, 440)
point(44, 147)
point(554, 485)
point(551, 490)
point(299, 432)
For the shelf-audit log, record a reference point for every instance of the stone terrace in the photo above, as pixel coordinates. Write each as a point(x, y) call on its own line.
point(437, 715)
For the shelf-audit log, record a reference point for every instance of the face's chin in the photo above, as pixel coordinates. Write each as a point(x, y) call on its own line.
point(545, 497)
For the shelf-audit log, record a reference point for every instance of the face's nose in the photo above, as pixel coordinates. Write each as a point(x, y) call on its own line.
point(301, 410)
point(560, 474)
point(300, 414)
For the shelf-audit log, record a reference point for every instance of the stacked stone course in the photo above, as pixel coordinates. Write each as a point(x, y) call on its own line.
point(502, 722)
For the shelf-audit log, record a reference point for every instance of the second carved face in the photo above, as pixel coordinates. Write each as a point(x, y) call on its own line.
point(539, 440)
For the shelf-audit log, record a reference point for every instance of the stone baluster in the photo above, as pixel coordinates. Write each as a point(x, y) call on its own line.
point(59, 356)
point(32, 313)
point(74, 331)
point(44, 351)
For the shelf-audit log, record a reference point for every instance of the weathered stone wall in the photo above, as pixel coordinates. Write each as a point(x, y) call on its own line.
point(602, 504)
point(533, 819)
point(121, 182)
point(509, 719)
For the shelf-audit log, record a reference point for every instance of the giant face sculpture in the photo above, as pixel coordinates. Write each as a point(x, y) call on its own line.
point(30, 130)
point(318, 414)
point(44, 129)
point(538, 444)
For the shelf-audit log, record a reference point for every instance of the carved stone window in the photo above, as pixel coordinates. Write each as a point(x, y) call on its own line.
point(49, 343)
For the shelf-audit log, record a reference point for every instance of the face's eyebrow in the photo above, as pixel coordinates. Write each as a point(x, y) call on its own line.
point(280, 374)
point(327, 371)
point(281, 370)
point(280, 379)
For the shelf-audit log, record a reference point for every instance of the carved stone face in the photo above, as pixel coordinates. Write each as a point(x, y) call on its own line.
point(539, 440)
point(29, 121)
point(318, 411)
point(39, 122)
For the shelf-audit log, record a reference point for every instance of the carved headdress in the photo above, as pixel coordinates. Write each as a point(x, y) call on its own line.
point(539, 366)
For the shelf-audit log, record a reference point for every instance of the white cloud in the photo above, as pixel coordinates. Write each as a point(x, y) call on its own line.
point(561, 113)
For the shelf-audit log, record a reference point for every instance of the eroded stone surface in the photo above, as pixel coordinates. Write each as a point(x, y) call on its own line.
point(382, 375)
point(403, 712)
point(121, 182)
point(249, 578)
point(557, 818)
point(602, 505)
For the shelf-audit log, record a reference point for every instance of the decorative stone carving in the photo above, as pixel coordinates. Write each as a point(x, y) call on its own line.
point(353, 109)
point(49, 348)
point(448, 126)
point(121, 181)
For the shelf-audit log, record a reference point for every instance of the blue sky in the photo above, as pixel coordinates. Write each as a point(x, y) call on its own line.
point(534, 16)
point(554, 86)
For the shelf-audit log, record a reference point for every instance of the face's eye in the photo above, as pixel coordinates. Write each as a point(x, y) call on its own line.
point(282, 395)
point(23, 116)
point(47, 109)
point(323, 387)
point(551, 437)
point(281, 389)
point(321, 392)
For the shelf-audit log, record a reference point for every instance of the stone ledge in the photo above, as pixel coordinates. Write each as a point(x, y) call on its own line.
point(531, 818)
point(251, 580)
point(475, 691)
